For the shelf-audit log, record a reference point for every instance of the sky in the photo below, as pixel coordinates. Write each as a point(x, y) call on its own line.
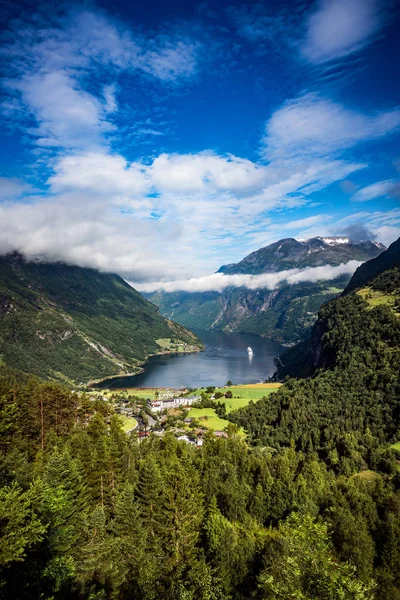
point(160, 140)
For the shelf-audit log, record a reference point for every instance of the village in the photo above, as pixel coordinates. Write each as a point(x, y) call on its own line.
point(188, 414)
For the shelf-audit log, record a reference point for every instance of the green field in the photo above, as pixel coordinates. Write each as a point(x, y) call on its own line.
point(396, 446)
point(130, 392)
point(211, 422)
point(376, 297)
point(128, 423)
point(242, 394)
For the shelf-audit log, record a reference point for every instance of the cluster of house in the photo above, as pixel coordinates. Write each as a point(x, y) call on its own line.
point(162, 403)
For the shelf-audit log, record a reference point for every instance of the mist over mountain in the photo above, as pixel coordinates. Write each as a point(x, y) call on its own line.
point(275, 291)
point(290, 253)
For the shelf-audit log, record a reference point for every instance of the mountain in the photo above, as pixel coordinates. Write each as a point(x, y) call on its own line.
point(285, 314)
point(75, 324)
point(290, 253)
point(376, 283)
point(349, 400)
point(385, 261)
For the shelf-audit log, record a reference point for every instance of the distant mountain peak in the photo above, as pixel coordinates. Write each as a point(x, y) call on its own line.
point(292, 253)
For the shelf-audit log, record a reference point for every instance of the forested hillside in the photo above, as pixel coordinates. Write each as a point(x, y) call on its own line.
point(385, 261)
point(73, 324)
point(353, 394)
point(306, 507)
point(285, 314)
point(88, 513)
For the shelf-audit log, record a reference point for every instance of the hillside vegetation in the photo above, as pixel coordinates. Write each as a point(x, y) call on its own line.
point(306, 507)
point(73, 324)
point(285, 314)
point(351, 401)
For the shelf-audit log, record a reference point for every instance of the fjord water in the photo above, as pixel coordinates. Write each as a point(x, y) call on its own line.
point(225, 358)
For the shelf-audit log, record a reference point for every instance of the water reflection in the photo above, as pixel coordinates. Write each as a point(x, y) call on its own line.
point(225, 358)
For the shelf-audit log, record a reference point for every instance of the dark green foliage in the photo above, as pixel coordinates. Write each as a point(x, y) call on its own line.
point(355, 390)
point(368, 271)
point(73, 324)
point(87, 512)
point(310, 510)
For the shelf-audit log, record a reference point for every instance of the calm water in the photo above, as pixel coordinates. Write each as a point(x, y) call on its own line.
point(224, 358)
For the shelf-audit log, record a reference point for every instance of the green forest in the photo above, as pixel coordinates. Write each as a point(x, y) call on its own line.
point(88, 512)
point(305, 507)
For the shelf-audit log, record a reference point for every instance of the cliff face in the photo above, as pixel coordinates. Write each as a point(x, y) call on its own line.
point(385, 261)
point(286, 314)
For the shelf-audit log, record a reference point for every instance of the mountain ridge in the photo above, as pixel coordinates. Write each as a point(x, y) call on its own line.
point(285, 314)
point(290, 253)
point(76, 324)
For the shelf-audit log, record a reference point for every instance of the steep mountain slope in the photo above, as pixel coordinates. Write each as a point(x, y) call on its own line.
point(75, 324)
point(350, 402)
point(385, 261)
point(375, 285)
point(285, 314)
point(298, 254)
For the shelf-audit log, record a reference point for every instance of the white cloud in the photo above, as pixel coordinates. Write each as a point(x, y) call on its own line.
point(67, 116)
point(217, 282)
point(171, 61)
point(388, 187)
point(196, 172)
point(109, 93)
point(90, 234)
point(340, 27)
point(307, 222)
point(12, 188)
point(314, 126)
point(99, 174)
point(387, 234)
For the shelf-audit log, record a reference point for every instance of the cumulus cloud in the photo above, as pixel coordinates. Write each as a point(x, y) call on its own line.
point(99, 173)
point(217, 282)
point(90, 235)
point(338, 28)
point(196, 172)
point(389, 187)
point(53, 62)
point(312, 125)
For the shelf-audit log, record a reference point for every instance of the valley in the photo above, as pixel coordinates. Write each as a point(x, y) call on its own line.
point(285, 313)
point(214, 475)
point(224, 358)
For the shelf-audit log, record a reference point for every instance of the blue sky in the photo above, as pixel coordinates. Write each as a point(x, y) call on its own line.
point(163, 139)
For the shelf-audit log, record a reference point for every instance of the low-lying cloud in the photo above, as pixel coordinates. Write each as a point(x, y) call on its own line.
point(217, 282)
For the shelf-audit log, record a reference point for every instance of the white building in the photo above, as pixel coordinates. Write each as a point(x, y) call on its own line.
point(159, 404)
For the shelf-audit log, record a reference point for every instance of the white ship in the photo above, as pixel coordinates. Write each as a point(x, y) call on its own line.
point(250, 351)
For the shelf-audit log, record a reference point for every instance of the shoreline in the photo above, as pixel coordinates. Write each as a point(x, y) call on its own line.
point(141, 367)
